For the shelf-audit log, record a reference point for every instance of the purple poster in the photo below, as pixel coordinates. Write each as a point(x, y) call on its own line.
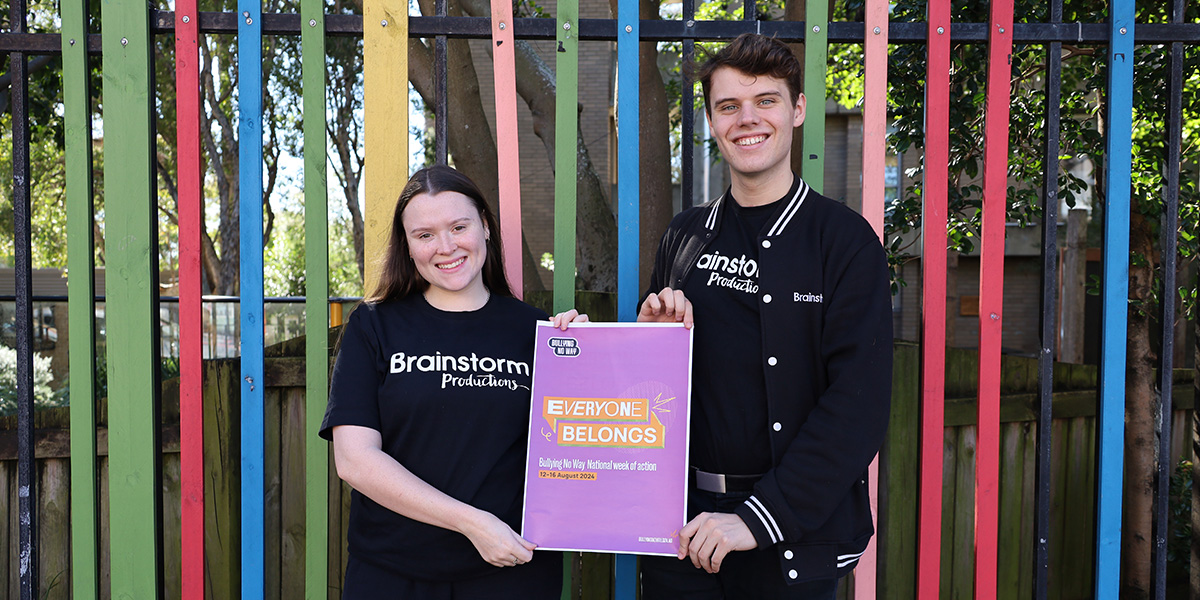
point(608, 438)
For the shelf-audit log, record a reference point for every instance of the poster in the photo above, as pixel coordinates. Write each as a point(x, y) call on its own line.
point(608, 438)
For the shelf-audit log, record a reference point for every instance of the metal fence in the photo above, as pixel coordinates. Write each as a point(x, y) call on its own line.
point(131, 292)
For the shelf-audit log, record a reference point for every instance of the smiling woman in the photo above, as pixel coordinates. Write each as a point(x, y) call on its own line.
point(429, 408)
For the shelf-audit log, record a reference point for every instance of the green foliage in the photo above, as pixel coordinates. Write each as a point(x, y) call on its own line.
point(43, 396)
point(1080, 135)
point(1179, 541)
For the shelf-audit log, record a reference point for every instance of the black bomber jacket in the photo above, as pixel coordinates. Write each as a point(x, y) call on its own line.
point(826, 318)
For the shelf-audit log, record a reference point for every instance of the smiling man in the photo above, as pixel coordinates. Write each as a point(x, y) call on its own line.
point(792, 356)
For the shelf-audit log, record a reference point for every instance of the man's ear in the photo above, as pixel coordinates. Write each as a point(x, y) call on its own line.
point(799, 116)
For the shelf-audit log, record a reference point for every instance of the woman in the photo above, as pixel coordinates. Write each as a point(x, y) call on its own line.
point(429, 410)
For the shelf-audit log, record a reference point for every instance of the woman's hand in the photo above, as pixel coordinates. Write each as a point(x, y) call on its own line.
point(496, 542)
point(562, 319)
point(361, 462)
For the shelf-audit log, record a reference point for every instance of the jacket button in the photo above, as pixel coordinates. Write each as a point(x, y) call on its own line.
point(787, 554)
point(777, 426)
point(767, 298)
point(772, 361)
point(793, 574)
point(766, 243)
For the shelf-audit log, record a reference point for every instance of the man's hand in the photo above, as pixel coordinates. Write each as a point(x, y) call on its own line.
point(710, 536)
point(667, 306)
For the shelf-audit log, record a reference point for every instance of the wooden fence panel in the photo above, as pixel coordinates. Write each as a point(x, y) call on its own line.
point(292, 444)
point(1071, 574)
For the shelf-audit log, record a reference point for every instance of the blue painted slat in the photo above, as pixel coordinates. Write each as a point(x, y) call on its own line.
point(250, 91)
point(628, 31)
point(1119, 152)
point(628, 223)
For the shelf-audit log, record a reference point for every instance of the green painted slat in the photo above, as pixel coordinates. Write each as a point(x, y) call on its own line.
point(566, 125)
point(129, 308)
point(816, 57)
point(77, 118)
point(316, 302)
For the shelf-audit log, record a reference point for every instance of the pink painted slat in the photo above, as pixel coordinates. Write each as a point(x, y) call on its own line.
point(875, 53)
point(933, 297)
point(508, 156)
point(191, 411)
point(991, 297)
point(874, 149)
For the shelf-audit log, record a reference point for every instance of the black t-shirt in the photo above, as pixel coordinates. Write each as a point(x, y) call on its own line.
point(449, 393)
point(729, 421)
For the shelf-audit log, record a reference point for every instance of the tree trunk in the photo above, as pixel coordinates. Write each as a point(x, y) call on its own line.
point(223, 158)
point(1141, 410)
point(596, 228)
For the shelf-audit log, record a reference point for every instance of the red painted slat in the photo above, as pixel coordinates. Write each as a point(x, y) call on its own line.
point(933, 298)
point(991, 296)
point(505, 79)
point(191, 412)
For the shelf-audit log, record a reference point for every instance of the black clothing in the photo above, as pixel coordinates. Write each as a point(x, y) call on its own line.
point(752, 575)
point(724, 295)
point(540, 578)
point(450, 393)
point(826, 324)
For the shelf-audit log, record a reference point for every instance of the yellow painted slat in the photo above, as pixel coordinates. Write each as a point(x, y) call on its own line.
point(385, 119)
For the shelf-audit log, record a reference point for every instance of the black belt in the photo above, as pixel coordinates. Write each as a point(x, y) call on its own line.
point(720, 483)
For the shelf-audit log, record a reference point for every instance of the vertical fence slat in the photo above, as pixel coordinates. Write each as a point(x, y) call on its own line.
point(250, 232)
point(628, 169)
point(191, 363)
point(441, 125)
point(874, 143)
point(566, 144)
point(23, 251)
point(933, 297)
point(628, 207)
point(316, 301)
point(508, 157)
point(687, 103)
point(991, 295)
point(1049, 312)
point(816, 58)
point(1115, 295)
point(1169, 245)
point(81, 301)
point(687, 111)
point(385, 123)
point(130, 300)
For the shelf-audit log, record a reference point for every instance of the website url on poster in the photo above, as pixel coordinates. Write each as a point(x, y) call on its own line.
point(656, 540)
point(581, 475)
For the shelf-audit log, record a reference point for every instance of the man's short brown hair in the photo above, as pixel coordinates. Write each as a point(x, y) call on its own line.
point(754, 54)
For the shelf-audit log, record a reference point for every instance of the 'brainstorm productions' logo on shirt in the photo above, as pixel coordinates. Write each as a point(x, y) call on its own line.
point(464, 371)
point(739, 273)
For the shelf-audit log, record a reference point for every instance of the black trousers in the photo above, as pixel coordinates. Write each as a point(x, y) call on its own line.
point(539, 579)
point(750, 575)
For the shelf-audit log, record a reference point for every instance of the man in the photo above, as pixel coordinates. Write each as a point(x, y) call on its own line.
point(792, 356)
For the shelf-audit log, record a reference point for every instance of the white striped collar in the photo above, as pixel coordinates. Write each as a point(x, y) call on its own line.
point(789, 211)
point(785, 217)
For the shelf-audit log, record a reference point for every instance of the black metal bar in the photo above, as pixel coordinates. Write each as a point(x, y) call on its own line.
point(750, 10)
point(1049, 312)
point(651, 31)
point(687, 102)
point(1168, 242)
point(23, 251)
point(441, 113)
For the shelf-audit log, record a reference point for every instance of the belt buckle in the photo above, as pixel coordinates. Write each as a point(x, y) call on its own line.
point(710, 482)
